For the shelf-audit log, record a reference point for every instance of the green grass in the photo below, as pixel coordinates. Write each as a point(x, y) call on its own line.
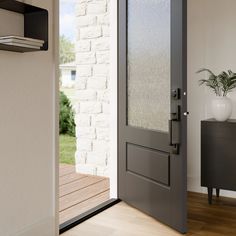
point(67, 149)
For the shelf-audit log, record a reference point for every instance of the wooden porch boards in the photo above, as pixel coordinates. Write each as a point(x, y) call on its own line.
point(79, 192)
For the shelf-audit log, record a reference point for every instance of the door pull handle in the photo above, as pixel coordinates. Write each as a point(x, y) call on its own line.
point(174, 136)
point(174, 131)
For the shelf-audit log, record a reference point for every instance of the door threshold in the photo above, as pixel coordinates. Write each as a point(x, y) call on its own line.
point(88, 214)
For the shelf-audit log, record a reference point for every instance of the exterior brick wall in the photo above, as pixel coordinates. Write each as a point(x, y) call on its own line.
point(92, 110)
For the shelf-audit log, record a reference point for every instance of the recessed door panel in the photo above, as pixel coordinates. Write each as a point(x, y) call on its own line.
point(148, 163)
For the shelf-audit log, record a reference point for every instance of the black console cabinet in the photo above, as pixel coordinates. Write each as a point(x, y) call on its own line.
point(218, 156)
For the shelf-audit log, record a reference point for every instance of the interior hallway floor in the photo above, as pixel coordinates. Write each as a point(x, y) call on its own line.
point(218, 219)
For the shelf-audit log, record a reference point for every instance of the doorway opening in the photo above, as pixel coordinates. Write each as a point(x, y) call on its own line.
point(203, 43)
point(88, 175)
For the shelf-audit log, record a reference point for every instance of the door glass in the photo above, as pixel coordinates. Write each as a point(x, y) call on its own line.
point(148, 60)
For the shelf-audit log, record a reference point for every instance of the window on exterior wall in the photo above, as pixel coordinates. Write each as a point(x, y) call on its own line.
point(73, 75)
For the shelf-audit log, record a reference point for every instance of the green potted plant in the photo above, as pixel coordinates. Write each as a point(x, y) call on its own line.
point(221, 84)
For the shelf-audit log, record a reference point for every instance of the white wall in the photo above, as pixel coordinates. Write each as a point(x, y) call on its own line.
point(27, 128)
point(93, 87)
point(211, 44)
point(113, 99)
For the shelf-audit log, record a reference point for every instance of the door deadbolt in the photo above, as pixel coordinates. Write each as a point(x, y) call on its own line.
point(176, 94)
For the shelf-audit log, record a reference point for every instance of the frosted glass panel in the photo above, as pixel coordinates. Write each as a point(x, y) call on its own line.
point(149, 64)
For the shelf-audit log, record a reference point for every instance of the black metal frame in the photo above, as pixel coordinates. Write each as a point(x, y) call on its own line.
point(35, 24)
point(88, 214)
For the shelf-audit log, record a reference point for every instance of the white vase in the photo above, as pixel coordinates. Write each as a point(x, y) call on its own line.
point(221, 108)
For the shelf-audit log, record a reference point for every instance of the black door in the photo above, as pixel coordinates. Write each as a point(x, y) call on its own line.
point(152, 108)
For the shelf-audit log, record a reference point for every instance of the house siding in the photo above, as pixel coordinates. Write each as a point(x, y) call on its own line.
point(92, 108)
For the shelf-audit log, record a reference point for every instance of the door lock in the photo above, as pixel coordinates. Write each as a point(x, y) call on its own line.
point(176, 94)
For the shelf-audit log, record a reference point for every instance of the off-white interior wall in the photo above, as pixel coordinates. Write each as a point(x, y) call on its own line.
point(17, 27)
point(211, 44)
point(27, 140)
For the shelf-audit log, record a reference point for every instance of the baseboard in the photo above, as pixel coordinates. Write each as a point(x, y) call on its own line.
point(45, 227)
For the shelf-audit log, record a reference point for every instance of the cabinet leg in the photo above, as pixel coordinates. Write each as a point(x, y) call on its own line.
point(210, 190)
point(217, 192)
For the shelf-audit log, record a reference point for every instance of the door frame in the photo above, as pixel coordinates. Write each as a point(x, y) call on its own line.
point(113, 119)
point(55, 48)
point(114, 83)
point(114, 99)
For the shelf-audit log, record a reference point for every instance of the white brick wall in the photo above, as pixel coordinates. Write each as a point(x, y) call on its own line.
point(101, 120)
point(80, 9)
point(86, 95)
point(97, 7)
point(85, 58)
point(103, 57)
point(101, 44)
point(84, 71)
point(83, 120)
point(92, 113)
point(90, 107)
point(97, 83)
point(86, 20)
point(101, 70)
point(91, 32)
point(83, 46)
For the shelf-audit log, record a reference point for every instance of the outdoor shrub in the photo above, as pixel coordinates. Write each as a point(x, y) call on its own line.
point(67, 121)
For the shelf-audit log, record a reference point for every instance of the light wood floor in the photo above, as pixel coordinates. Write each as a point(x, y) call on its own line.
point(80, 193)
point(218, 219)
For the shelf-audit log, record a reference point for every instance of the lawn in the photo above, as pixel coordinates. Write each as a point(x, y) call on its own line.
point(67, 149)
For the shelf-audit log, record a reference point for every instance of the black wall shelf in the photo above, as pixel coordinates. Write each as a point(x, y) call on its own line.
point(35, 24)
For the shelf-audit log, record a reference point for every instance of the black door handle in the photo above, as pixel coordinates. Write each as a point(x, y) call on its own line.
point(174, 131)
point(174, 135)
point(170, 132)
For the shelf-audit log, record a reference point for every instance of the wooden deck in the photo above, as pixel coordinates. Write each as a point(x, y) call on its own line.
point(79, 192)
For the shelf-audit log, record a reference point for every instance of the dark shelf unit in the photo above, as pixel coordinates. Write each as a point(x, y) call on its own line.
point(218, 157)
point(35, 24)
